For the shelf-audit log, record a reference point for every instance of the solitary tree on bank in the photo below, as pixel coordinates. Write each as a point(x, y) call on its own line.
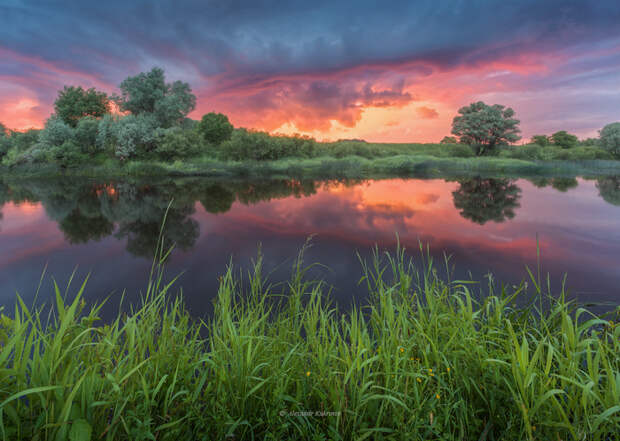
point(610, 138)
point(485, 127)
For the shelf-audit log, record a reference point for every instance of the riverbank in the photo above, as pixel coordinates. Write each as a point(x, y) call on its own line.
point(353, 167)
point(423, 360)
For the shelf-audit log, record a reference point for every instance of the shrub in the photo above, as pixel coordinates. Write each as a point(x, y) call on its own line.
point(134, 135)
point(176, 143)
point(528, 152)
point(5, 145)
point(610, 138)
point(85, 134)
point(261, 146)
point(448, 140)
point(105, 133)
point(67, 155)
point(588, 153)
point(460, 151)
point(342, 149)
point(55, 133)
point(215, 128)
point(541, 140)
point(564, 139)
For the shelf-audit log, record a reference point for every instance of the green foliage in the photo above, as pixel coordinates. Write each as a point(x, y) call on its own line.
point(74, 103)
point(610, 138)
point(261, 146)
point(422, 360)
point(341, 149)
point(486, 127)
point(22, 141)
point(460, 151)
point(133, 135)
point(528, 152)
point(5, 142)
point(105, 138)
point(215, 128)
point(449, 140)
point(148, 93)
point(55, 133)
point(541, 140)
point(85, 134)
point(554, 153)
point(482, 200)
point(177, 143)
point(67, 155)
point(593, 142)
point(564, 139)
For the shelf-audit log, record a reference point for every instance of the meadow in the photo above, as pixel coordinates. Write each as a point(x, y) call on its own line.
point(426, 358)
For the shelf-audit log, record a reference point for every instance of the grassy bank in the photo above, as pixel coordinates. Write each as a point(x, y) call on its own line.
point(423, 360)
point(354, 167)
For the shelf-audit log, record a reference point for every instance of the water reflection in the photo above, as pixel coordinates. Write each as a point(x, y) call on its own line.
point(488, 224)
point(90, 211)
point(609, 189)
point(482, 200)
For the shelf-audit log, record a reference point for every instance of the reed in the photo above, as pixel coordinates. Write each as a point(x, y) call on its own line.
point(426, 358)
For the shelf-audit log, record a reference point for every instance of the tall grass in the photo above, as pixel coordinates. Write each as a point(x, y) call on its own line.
point(424, 359)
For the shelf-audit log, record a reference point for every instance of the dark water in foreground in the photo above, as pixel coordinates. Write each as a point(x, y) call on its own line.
point(488, 225)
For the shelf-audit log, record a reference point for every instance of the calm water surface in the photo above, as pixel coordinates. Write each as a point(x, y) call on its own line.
point(109, 229)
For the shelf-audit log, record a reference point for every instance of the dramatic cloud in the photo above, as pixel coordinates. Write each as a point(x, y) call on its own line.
point(326, 68)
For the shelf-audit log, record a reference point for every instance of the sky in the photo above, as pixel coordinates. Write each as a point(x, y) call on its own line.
point(384, 71)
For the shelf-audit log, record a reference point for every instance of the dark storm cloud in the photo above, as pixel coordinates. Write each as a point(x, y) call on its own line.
point(264, 38)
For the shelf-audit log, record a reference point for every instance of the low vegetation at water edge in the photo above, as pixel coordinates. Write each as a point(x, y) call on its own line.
point(426, 358)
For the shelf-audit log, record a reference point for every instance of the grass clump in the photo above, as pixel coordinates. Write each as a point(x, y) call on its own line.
point(422, 360)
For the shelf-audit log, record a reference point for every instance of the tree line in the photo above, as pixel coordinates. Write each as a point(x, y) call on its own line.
point(148, 120)
point(486, 128)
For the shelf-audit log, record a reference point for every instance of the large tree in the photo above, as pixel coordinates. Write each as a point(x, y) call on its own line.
point(610, 138)
point(149, 93)
point(485, 127)
point(74, 103)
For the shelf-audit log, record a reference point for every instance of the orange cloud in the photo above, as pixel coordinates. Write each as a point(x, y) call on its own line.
point(427, 113)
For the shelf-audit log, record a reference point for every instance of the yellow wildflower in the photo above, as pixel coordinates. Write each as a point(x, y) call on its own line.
point(437, 396)
point(419, 379)
point(402, 350)
point(308, 374)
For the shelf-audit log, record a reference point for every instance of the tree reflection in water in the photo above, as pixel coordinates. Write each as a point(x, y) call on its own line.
point(133, 210)
point(609, 189)
point(482, 200)
point(87, 211)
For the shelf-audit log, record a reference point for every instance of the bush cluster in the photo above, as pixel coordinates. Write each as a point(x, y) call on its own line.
point(245, 144)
